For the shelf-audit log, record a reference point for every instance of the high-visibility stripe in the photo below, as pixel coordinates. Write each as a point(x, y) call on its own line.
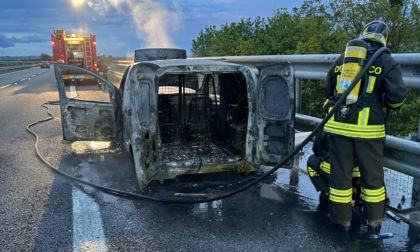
point(325, 166)
point(371, 84)
point(359, 130)
point(373, 191)
point(341, 196)
point(373, 195)
point(372, 199)
point(363, 116)
point(354, 134)
point(396, 105)
point(312, 172)
point(356, 172)
point(339, 192)
point(352, 130)
point(338, 77)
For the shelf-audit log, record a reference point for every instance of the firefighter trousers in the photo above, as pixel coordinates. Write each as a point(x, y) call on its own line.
point(319, 173)
point(369, 154)
point(319, 179)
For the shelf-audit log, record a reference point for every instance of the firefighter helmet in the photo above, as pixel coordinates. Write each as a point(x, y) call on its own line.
point(376, 31)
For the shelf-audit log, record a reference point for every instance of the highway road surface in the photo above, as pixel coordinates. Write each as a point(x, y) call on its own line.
point(41, 210)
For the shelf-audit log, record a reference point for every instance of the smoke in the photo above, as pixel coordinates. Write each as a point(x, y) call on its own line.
point(154, 21)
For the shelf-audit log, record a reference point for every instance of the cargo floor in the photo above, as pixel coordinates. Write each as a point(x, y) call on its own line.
point(202, 152)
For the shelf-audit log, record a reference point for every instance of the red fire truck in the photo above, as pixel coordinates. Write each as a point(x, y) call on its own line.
point(75, 49)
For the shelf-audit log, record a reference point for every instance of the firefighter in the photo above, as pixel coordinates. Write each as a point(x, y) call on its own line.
point(318, 167)
point(357, 129)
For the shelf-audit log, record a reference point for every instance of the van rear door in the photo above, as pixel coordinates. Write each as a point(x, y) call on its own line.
point(275, 113)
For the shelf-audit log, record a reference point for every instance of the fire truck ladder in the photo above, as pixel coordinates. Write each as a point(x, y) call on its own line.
point(88, 52)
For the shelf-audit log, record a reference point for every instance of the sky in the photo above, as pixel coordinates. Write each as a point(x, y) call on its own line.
point(121, 26)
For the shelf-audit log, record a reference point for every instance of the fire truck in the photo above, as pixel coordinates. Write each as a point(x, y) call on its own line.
point(75, 49)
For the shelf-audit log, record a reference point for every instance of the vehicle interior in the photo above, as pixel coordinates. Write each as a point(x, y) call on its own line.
point(202, 118)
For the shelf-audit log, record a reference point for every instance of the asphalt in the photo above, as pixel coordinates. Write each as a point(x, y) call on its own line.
point(40, 212)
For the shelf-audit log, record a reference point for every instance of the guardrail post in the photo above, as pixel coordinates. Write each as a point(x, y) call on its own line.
point(415, 194)
point(298, 96)
point(416, 180)
point(418, 131)
point(415, 136)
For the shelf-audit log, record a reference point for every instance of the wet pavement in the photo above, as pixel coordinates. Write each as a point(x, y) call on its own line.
point(281, 213)
point(43, 211)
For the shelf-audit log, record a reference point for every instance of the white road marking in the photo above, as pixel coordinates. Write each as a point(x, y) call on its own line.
point(88, 234)
point(6, 73)
point(6, 85)
point(73, 92)
point(28, 78)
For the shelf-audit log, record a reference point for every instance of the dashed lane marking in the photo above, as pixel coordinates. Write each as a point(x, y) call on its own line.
point(28, 78)
point(6, 85)
point(88, 234)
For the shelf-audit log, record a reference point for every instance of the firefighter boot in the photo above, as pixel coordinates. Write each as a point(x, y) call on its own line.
point(374, 225)
point(341, 225)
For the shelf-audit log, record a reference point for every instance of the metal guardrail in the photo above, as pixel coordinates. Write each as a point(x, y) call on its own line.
point(116, 70)
point(316, 66)
point(12, 66)
point(400, 154)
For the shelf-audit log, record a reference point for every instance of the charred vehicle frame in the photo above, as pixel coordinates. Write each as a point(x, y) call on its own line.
point(179, 116)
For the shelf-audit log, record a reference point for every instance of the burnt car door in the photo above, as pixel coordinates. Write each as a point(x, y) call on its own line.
point(275, 113)
point(88, 109)
point(140, 121)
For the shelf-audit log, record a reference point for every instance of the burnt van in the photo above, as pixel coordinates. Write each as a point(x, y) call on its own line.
point(179, 116)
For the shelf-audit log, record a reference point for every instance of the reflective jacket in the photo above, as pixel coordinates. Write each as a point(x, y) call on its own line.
point(382, 85)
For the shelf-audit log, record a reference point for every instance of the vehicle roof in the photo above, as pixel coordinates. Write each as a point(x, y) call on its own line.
point(186, 62)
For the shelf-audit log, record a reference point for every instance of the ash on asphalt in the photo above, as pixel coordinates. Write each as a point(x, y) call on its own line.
point(199, 186)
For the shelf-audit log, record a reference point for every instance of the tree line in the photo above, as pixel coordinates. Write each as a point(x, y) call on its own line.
point(320, 27)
